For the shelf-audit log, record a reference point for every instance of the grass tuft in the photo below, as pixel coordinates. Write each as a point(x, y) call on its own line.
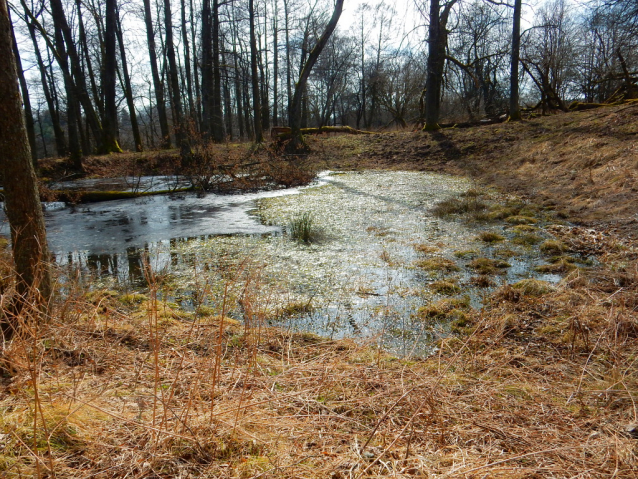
point(490, 237)
point(488, 266)
point(301, 228)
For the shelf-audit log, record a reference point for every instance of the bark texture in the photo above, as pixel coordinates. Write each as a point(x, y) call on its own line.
point(24, 211)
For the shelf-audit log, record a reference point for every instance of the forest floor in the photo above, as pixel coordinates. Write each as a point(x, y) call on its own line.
point(542, 381)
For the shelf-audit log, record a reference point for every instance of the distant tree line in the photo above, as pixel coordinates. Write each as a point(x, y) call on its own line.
point(99, 76)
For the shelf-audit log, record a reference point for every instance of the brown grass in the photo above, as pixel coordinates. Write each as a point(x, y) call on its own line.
point(120, 386)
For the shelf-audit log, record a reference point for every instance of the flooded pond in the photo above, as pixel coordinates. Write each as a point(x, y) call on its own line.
point(379, 260)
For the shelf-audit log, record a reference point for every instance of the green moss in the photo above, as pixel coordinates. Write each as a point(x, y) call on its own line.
point(425, 248)
point(438, 264)
point(553, 247)
point(487, 266)
point(490, 237)
point(445, 287)
point(499, 212)
point(505, 253)
point(561, 266)
point(521, 220)
point(468, 253)
point(522, 229)
point(482, 281)
point(459, 206)
point(527, 239)
point(133, 298)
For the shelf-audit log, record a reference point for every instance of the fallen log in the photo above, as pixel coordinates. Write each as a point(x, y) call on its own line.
point(284, 132)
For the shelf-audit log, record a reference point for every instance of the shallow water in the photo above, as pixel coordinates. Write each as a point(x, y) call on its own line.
point(358, 279)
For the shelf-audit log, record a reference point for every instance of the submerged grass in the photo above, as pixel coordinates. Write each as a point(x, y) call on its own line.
point(302, 228)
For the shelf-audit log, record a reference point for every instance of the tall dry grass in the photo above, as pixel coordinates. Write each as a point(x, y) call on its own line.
point(541, 386)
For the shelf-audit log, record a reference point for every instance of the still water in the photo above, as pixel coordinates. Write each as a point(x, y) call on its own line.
point(360, 278)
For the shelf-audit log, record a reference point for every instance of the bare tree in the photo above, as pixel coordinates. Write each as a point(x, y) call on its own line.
point(24, 211)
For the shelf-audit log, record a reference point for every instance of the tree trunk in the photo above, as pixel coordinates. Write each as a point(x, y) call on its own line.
point(187, 64)
point(157, 82)
point(28, 113)
point(110, 128)
point(75, 150)
point(259, 135)
point(228, 117)
point(218, 120)
point(295, 115)
point(173, 75)
point(97, 98)
point(288, 61)
point(515, 111)
point(437, 43)
point(128, 90)
point(275, 93)
point(60, 141)
point(22, 203)
point(78, 80)
point(207, 69)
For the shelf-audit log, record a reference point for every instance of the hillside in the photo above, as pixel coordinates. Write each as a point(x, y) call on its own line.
point(584, 164)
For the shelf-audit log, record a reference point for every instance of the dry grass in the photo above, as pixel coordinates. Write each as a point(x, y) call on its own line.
point(120, 386)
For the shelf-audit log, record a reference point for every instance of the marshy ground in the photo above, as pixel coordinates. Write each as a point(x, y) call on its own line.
point(538, 380)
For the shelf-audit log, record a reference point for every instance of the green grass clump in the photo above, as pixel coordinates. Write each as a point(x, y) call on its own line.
point(459, 206)
point(489, 266)
point(301, 228)
point(505, 253)
point(425, 248)
point(527, 239)
point(553, 247)
point(521, 220)
point(133, 298)
point(522, 229)
point(490, 237)
point(499, 212)
point(445, 287)
point(482, 281)
point(560, 266)
point(533, 287)
point(438, 264)
point(468, 253)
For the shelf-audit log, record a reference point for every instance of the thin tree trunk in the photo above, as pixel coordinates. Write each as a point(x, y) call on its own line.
point(207, 68)
point(79, 80)
point(275, 93)
point(26, 101)
point(437, 43)
point(180, 130)
point(227, 102)
point(22, 202)
point(75, 150)
point(288, 62)
point(60, 141)
point(259, 135)
point(157, 82)
point(295, 116)
point(110, 128)
point(128, 90)
point(515, 111)
point(217, 119)
point(187, 64)
point(87, 59)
